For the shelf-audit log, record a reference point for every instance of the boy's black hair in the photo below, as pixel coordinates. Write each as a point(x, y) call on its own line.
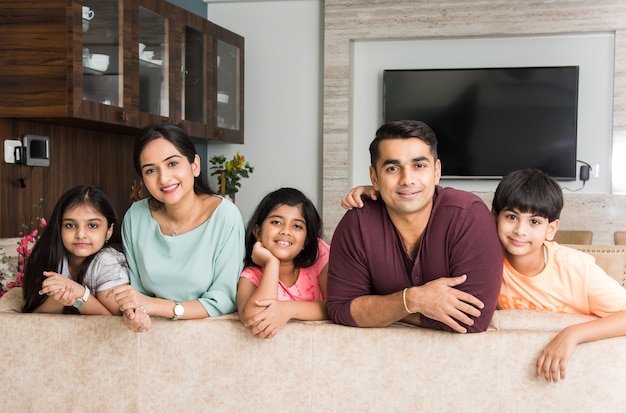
point(313, 221)
point(529, 191)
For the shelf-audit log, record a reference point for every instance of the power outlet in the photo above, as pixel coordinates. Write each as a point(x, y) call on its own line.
point(595, 172)
point(9, 149)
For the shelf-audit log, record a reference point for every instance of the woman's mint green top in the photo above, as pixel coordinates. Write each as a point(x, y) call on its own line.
point(203, 264)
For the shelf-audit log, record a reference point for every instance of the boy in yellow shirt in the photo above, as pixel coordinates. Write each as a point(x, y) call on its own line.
point(542, 275)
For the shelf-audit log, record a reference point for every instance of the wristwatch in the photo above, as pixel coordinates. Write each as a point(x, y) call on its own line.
point(179, 310)
point(79, 302)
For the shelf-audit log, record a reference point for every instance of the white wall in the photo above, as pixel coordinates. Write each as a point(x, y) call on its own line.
point(593, 52)
point(284, 64)
point(283, 88)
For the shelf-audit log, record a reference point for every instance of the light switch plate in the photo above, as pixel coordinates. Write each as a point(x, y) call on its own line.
point(9, 149)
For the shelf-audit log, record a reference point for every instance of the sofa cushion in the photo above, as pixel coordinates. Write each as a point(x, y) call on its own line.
point(527, 320)
point(12, 301)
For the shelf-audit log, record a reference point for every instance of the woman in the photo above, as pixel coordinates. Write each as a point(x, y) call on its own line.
point(184, 244)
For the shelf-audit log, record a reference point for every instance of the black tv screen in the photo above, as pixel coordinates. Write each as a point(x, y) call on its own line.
point(492, 121)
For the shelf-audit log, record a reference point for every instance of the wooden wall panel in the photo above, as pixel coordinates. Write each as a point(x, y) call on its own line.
point(78, 156)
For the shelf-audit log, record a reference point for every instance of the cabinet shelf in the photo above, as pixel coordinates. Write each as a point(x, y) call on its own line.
point(94, 72)
point(150, 63)
point(133, 92)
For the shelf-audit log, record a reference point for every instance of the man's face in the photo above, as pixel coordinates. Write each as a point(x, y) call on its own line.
point(406, 175)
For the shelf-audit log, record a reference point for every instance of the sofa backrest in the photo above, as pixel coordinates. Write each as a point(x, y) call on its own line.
point(611, 258)
point(564, 236)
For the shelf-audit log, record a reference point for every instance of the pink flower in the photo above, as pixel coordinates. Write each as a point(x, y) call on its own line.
point(24, 249)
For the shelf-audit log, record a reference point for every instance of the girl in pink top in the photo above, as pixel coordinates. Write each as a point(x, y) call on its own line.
point(286, 264)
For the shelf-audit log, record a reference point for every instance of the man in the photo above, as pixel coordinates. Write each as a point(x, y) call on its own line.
point(417, 253)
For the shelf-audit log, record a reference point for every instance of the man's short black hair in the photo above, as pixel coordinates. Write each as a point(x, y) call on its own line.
point(403, 129)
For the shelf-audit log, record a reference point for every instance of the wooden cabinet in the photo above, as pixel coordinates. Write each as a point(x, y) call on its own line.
point(119, 65)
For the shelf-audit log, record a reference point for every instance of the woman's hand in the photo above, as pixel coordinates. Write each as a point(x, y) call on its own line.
point(137, 320)
point(270, 321)
point(127, 298)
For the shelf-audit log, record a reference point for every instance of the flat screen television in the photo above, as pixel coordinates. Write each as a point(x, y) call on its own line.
point(491, 121)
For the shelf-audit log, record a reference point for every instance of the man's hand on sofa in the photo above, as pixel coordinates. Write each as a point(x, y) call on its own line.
point(439, 300)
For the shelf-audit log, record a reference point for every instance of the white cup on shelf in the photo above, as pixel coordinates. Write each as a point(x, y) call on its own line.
point(222, 97)
point(99, 62)
point(88, 13)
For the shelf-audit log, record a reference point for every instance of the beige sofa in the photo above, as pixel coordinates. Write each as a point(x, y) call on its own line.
point(94, 364)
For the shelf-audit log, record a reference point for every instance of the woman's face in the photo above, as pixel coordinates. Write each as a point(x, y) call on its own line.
point(167, 174)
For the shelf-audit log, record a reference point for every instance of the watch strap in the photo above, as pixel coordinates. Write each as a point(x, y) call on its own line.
point(79, 302)
point(86, 295)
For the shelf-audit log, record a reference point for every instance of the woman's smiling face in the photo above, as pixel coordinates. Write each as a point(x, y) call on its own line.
point(167, 174)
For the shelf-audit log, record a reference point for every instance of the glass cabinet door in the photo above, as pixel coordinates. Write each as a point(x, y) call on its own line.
point(152, 50)
point(228, 70)
point(194, 103)
point(229, 61)
point(102, 63)
point(194, 78)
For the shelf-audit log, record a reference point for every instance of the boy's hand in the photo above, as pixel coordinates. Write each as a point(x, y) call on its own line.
point(353, 198)
point(552, 363)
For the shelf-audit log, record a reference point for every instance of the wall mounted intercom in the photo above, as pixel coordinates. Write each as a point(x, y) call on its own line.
point(32, 150)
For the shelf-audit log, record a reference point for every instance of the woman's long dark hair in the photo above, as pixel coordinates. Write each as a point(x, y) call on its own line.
point(48, 252)
point(291, 197)
point(181, 141)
